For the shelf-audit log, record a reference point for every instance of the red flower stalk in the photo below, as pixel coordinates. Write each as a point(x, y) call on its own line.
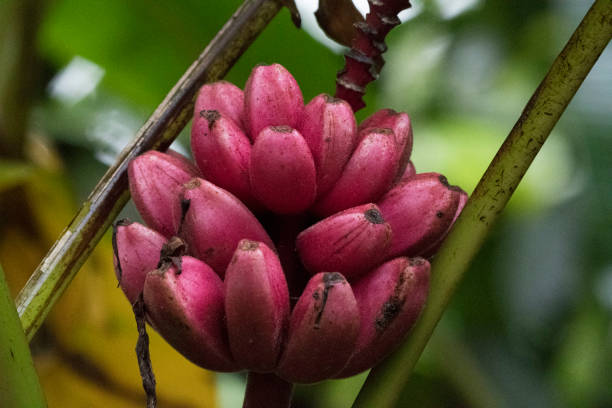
point(364, 61)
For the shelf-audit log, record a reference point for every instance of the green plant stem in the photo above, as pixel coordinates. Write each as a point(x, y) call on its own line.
point(19, 386)
point(64, 259)
point(384, 384)
point(267, 391)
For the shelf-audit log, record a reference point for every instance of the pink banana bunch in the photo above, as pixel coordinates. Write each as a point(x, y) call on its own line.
point(297, 245)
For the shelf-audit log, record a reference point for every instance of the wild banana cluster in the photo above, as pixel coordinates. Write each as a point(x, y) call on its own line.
point(296, 244)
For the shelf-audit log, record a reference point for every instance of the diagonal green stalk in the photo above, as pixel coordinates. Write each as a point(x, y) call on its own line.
point(570, 68)
point(70, 251)
point(19, 386)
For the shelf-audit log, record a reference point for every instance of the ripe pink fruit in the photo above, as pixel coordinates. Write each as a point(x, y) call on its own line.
point(223, 97)
point(390, 300)
point(350, 242)
point(137, 251)
point(463, 197)
point(409, 173)
point(272, 97)
point(419, 212)
point(283, 175)
point(367, 175)
point(400, 124)
point(323, 330)
point(257, 306)
point(154, 177)
point(185, 305)
point(222, 152)
point(328, 126)
point(212, 222)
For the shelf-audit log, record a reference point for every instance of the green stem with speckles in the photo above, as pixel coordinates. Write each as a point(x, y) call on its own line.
point(19, 386)
point(570, 68)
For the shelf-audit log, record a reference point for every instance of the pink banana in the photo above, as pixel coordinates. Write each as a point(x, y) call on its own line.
point(350, 242)
point(409, 173)
point(329, 128)
point(390, 300)
point(189, 165)
point(154, 179)
point(212, 222)
point(322, 332)
point(401, 126)
point(419, 212)
point(222, 152)
point(283, 175)
point(366, 176)
point(463, 197)
point(272, 97)
point(185, 305)
point(136, 252)
point(223, 97)
point(257, 306)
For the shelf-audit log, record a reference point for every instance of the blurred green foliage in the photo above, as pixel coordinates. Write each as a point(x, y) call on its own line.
point(531, 325)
